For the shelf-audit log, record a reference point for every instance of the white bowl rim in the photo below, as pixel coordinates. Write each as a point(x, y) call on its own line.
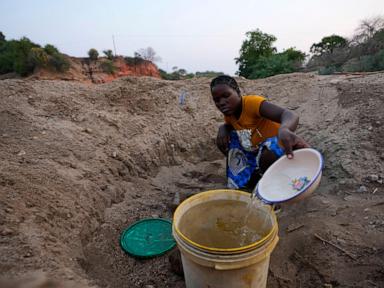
point(318, 172)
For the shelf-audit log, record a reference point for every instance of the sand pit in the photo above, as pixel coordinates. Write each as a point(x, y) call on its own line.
point(81, 162)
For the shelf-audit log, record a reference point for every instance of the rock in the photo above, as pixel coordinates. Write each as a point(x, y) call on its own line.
point(368, 146)
point(28, 254)
point(114, 154)
point(362, 189)
point(6, 231)
point(88, 130)
point(373, 178)
point(8, 210)
point(21, 153)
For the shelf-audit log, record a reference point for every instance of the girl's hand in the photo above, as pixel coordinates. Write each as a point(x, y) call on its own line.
point(222, 138)
point(291, 141)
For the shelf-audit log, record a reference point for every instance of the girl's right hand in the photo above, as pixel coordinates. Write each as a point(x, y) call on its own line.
point(223, 136)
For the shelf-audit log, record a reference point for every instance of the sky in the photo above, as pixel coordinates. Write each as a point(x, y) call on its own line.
point(196, 35)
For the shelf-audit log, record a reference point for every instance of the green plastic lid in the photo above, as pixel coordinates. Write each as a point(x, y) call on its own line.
point(148, 238)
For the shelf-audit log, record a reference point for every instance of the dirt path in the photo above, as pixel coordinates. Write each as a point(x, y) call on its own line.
point(82, 162)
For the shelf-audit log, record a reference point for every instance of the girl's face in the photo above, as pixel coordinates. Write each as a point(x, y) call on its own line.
point(226, 99)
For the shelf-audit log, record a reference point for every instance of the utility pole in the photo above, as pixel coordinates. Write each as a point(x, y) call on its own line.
point(114, 45)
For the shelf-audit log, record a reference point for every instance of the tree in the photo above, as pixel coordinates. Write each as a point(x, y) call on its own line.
point(2, 37)
point(328, 44)
point(93, 54)
point(21, 64)
point(109, 54)
point(294, 55)
point(50, 49)
point(367, 29)
point(148, 54)
point(272, 65)
point(256, 45)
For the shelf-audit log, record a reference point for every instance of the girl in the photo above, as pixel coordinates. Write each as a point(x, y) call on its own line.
point(255, 133)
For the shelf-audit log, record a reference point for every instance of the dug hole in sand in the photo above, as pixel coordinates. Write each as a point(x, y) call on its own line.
point(81, 162)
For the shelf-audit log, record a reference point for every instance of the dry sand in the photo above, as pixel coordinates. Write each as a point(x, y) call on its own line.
point(81, 162)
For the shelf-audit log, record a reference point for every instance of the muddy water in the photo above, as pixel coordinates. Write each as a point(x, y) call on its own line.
point(225, 224)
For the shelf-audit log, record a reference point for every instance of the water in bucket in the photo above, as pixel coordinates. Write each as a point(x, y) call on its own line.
point(226, 223)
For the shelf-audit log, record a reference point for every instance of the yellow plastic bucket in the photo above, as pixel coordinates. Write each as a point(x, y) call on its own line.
point(216, 262)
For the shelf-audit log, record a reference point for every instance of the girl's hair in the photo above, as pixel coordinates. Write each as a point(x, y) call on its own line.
point(226, 80)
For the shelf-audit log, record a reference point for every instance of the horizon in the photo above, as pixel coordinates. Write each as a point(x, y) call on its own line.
point(182, 34)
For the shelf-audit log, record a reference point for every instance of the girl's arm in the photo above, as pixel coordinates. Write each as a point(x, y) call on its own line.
point(222, 138)
point(288, 121)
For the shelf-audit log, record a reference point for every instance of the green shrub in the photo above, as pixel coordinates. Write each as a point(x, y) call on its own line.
point(108, 67)
point(108, 54)
point(14, 56)
point(329, 70)
point(365, 63)
point(23, 56)
point(2, 37)
point(272, 65)
point(59, 62)
point(37, 57)
point(93, 54)
point(380, 60)
point(209, 74)
point(50, 49)
point(133, 60)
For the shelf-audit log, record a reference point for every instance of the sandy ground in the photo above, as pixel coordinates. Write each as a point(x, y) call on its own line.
point(79, 163)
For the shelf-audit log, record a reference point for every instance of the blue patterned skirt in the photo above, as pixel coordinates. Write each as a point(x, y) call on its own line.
point(242, 164)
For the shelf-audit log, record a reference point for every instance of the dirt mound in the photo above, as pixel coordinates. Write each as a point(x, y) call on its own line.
point(81, 162)
point(87, 71)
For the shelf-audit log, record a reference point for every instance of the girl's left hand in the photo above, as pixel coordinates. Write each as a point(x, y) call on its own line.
point(291, 141)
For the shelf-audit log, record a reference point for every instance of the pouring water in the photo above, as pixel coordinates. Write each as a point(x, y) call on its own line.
point(246, 234)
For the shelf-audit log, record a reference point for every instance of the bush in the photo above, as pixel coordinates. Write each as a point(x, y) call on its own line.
point(59, 62)
point(14, 56)
point(273, 65)
point(327, 70)
point(108, 67)
point(93, 54)
point(108, 54)
point(366, 63)
point(23, 56)
point(38, 57)
point(209, 74)
point(133, 60)
point(51, 50)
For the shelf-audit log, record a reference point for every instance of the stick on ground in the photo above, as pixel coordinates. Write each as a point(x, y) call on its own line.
point(336, 246)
